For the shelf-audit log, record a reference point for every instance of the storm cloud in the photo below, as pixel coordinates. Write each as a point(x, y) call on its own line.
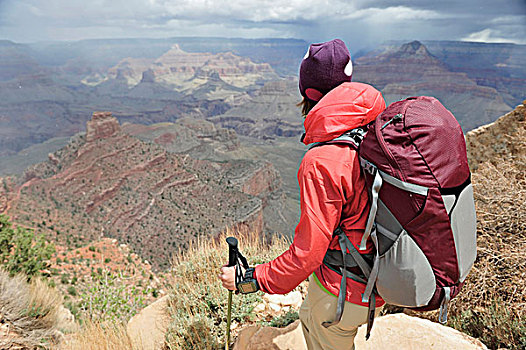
point(360, 23)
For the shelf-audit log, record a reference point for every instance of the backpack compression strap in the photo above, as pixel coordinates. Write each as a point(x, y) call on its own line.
point(348, 248)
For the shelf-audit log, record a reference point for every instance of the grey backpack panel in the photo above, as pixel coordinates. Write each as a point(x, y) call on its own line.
point(464, 227)
point(405, 277)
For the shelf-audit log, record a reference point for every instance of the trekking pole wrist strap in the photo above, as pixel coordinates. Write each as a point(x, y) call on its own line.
point(249, 283)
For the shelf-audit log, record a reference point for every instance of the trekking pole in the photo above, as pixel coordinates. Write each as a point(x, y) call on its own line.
point(232, 261)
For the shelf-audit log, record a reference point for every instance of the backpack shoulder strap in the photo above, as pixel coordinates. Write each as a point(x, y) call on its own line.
point(352, 137)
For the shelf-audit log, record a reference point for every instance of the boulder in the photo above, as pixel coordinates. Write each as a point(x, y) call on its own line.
point(396, 331)
point(147, 329)
point(400, 331)
point(271, 338)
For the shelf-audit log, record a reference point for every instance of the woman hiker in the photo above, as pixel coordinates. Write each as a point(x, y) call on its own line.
point(332, 195)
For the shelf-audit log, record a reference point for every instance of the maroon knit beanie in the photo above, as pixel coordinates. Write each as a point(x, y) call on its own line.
point(324, 67)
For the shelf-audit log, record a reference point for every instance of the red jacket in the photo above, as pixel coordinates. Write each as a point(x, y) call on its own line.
point(332, 193)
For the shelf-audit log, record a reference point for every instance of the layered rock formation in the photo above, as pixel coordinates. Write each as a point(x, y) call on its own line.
point(32, 110)
point(198, 138)
point(184, 71)
point(108, 183)
point(410, 70)
point(497, 65)
point(144, 81)
point(39, 103)
point(270, 113)
point(255, 176)
point(102, 125)
point(16, 62)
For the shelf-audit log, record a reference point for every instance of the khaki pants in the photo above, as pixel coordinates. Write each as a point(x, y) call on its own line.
point(320, 306)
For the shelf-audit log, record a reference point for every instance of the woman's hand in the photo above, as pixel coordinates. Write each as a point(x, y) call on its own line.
point(228, 277)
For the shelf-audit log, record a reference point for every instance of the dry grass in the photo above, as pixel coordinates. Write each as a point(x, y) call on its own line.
point(492, 305)
point(30, 309)
point(500, 195)
point(98, 336)
point(198, 301)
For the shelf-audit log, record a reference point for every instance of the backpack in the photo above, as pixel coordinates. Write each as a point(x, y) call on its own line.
point(422, 218)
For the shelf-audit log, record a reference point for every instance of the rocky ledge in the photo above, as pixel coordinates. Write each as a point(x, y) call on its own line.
point(396, 331)
point(494, 141)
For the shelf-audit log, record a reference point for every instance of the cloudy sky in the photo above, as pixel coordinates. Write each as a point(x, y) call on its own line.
point(360, 23)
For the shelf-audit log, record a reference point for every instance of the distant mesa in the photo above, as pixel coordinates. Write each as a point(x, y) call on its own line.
point(148, 76)
point(271, 112)
point(185, 71)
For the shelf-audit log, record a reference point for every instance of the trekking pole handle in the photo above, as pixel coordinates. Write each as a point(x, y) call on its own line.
point(232, 251)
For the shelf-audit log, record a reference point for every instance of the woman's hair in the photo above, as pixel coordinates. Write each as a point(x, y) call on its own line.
point(306, 105)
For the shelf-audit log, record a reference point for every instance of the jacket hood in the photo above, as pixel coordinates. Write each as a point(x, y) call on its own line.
point(346, 107)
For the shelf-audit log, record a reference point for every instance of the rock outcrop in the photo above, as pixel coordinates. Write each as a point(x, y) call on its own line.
point(271, 338)
point(101, 126)
point(495, 142)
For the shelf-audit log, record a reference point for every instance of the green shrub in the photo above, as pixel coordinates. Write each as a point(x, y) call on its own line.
point(283, 320)
point(497, 327)
point(72, 291)
point(109, 299)
point(22, 251)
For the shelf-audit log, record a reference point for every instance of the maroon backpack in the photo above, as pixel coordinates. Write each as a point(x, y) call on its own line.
point(422, 218)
